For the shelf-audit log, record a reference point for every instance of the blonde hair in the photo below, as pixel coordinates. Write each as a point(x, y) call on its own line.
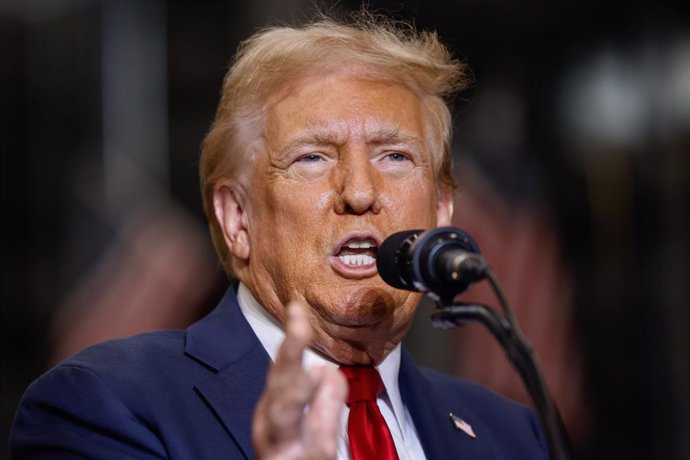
point(277, 57)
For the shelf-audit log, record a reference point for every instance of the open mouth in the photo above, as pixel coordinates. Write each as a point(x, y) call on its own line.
point(358, 253)
point(354, 257)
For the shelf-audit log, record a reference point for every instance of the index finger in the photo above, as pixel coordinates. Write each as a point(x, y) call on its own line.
point(298, 335)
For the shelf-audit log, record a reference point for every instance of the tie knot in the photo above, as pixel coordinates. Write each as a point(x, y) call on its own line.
point(364, 383)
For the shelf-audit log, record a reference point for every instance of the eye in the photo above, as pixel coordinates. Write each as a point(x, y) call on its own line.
point(311, 165)
point(311, 158)
point(395, 161)
point(396, 156)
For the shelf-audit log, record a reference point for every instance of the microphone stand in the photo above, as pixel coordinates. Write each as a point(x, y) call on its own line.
point(520, 353)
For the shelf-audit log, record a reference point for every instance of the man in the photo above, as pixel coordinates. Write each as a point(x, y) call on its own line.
point(327, 139)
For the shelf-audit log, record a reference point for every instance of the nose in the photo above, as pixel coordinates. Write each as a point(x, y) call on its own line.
point(358, 184)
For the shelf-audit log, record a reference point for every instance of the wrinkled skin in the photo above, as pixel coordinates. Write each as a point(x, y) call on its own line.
point(344, 157)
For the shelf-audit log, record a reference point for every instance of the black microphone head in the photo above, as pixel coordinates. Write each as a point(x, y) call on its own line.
point(430, 270)
point(416, 260)
point(393, 256)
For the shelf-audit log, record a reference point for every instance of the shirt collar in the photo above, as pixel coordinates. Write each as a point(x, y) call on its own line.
point(271, 335)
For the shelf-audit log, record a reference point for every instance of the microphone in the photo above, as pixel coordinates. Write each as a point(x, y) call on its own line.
point(442, 262)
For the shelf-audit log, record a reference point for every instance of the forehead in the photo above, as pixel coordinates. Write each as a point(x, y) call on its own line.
point(338, 106)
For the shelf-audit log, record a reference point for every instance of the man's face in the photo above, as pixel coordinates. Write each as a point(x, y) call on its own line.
point(345, 165)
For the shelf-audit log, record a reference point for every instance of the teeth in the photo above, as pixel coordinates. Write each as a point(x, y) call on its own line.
point(357, 260)
point(366, 244)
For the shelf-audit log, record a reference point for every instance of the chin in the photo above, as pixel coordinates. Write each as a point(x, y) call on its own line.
point(358, 346)
point(361, 306)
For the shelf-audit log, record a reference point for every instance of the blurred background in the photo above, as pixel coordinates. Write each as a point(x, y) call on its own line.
point(572, 152)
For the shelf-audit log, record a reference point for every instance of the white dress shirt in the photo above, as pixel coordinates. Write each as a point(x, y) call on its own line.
point(398, 418)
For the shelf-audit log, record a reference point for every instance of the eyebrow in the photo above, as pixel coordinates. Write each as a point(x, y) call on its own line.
point(392, 135)
point(317, 136)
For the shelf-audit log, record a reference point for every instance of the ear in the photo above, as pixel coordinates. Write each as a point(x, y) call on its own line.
point(229, 204)
point(444, 208)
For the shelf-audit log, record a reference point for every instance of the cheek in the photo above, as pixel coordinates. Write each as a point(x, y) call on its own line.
point(301, 208)
point(325, 200)
point(412, 201)
point(291, 216)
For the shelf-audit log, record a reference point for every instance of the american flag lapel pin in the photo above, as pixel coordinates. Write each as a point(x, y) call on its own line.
point(462, 425)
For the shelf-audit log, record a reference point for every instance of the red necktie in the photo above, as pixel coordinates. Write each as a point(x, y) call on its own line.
point(366, 428)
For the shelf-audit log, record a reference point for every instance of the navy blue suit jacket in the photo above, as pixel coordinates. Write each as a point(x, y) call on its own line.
point(190, 395)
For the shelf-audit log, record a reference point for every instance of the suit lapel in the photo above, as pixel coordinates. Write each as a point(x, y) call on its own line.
point(237, 362)
point(225, 343)
point(233, 395)
point(430, 409)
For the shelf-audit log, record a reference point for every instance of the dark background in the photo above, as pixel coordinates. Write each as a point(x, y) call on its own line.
point(103, 106)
